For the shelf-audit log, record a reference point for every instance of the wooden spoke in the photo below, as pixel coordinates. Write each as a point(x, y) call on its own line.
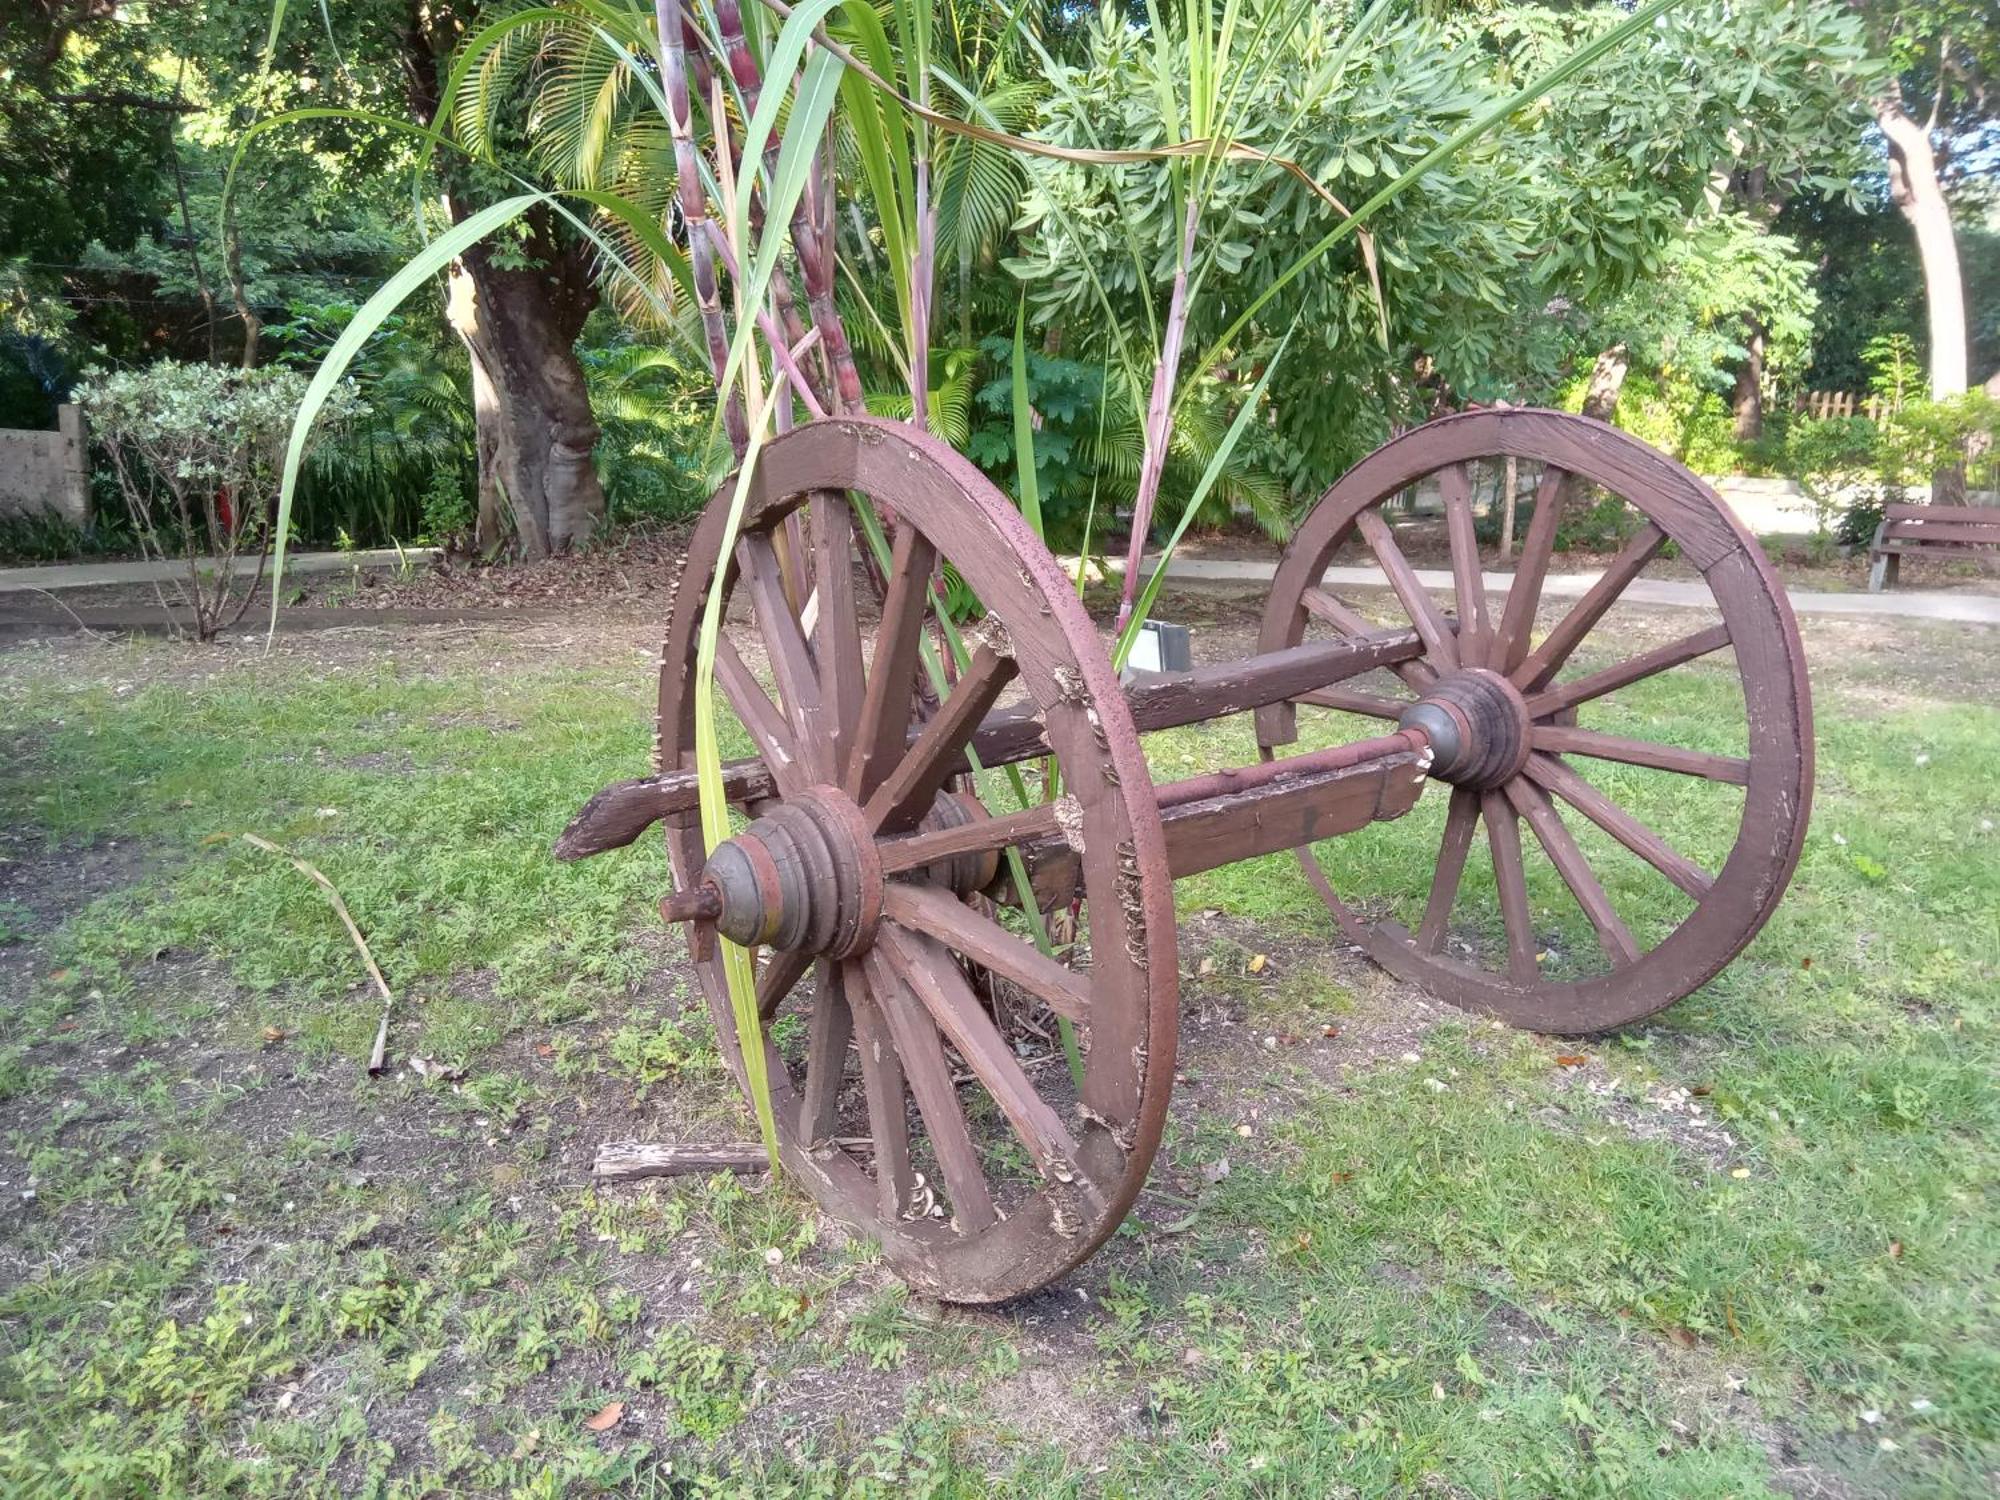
point(826, 1054)
point(1612, 935)
point(1467, 584)
point(1503, 834)
point(961, 928)
point(760, 716)
point(785, 644)
point(1563, 739)
point(1553, 775)
point(917, 850)
point(1354, 701)
point(883, 1087)
point(885, 711)
point(935, 979)
point(1546, 660)
point(1424, 615)
point(1565, 695)
point(1336, 612)
point(929, 1075)
point(794, 563)
point(1459, 822)
point(906, 794)
point(782, 971)
point(836, 630)
point(1524, 595)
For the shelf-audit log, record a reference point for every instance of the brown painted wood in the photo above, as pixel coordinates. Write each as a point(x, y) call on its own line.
point(1468, 586)
point(1533, 804)
point(1440, 648)
point(785, 647)
point(1934, 530)
point(1524, 595)
point(832, 1028)
point(1986, 515)
point(760, 717)
point(940, 916)
point(1067, 682)
point(1553, 775)
point(1769, 822)
point(1353, 701)
point(886, 710)
point(884, 1088)
point(1547, 659)
point(623, 811)
point(1562, 739)
point(921, 1052)
point(1503, 837)
point(1567, 695)
point(618, 815)
point(1461, 820)
point(917, 851)
point(928, 971)
point(906, 794)
point(1343, 618)
point(837, 630)
point(1283, 813)
point(778, 978)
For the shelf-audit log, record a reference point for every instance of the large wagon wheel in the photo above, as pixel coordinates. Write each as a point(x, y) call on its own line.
point(857, 875)
point(1503, 719)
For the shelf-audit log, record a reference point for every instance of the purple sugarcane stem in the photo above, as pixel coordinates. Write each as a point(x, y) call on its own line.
point(743, 66)
point(1158, 416)
point(694, 213)
point(784, 352)
point(814, 266)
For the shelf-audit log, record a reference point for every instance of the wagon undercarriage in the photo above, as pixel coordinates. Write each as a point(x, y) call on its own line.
point(954, 861)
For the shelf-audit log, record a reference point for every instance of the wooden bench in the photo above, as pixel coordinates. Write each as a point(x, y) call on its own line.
point(1928, 530)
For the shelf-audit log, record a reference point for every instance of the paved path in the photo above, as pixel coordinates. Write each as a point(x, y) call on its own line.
point(53, 576)
point(1978, 609)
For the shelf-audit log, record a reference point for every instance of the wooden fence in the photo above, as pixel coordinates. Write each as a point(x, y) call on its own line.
point(1822, 404)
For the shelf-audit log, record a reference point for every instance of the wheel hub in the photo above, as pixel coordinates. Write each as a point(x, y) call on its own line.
point(807, 876)
point(1478, 726)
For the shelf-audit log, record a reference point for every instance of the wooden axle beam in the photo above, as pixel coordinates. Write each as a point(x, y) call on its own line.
point(1229, 816)
point(619, 814)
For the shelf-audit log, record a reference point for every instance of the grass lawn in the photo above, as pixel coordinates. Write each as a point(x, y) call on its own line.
point(1747, 1249)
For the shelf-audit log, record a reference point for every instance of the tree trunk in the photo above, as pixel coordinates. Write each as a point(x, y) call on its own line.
point(1600, 400)
point(1747, 403)
point(536, 431)
point(1607, 380)
point(1913, 184)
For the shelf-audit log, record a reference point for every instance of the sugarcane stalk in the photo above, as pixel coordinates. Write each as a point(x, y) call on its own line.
point(694, 213)
point(815, 261)
point(1159, 417)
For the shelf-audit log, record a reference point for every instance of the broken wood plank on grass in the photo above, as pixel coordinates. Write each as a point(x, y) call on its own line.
point(623, 1161)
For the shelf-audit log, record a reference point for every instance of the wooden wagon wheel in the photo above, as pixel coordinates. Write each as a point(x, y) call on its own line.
point(859, 872)
point(1503, 720)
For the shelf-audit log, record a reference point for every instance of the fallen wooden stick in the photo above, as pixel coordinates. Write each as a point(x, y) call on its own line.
point(381, 1048)
point(621, 1161)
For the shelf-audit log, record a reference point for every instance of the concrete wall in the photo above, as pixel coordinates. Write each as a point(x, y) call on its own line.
point(42, 471)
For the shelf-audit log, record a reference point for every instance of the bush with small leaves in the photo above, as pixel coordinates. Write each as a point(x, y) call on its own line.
point(198, 452)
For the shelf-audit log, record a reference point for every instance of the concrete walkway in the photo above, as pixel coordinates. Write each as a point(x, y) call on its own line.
point(54, 576)
point(1976, 609)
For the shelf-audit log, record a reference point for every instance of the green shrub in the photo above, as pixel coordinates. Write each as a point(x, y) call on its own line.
point(198, 451)
point(1831, 459)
